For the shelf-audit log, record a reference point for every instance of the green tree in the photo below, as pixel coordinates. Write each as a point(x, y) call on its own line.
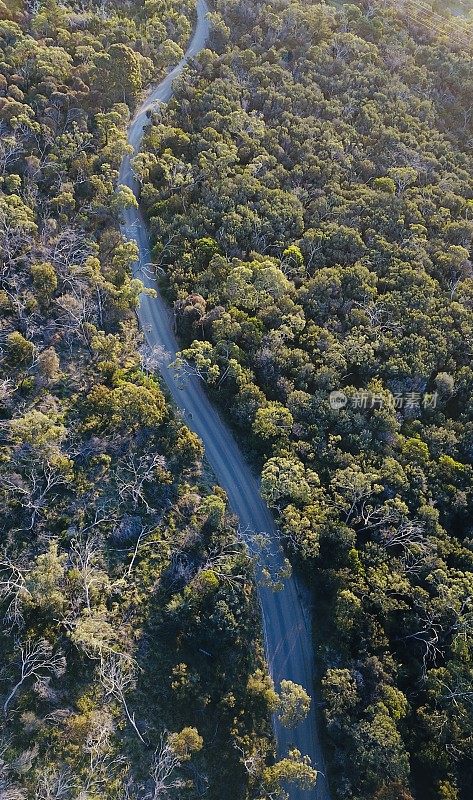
point(119, 74)
point(45, 581)
point(44, 280)
point(273, 421)
point(294, 769)
point(294, 704)
point(20, 350)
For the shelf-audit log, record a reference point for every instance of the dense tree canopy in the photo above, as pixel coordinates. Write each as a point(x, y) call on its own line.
point(310, 194)
point(128, 620)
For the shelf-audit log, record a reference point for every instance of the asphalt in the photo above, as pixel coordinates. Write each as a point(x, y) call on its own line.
point(286, 614)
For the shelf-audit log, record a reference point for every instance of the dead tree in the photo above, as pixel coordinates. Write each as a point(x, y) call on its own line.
point(13, 589)
point(54, 785)
point(117, 677)
point(164, 766)
point(86, 555)
point(36, 658)
point(134, 473)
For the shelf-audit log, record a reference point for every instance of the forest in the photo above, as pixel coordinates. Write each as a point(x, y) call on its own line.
point(310, 196)
point(131, 663)
point(309, 193)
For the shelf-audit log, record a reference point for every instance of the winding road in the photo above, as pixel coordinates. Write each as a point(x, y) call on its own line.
point(286, 619)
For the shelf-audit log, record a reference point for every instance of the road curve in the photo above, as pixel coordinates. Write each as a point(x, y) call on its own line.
point(286, 619)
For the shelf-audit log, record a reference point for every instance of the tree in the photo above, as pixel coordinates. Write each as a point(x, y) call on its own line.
point(49, 364)
point(188, 450)
point(294, 704)
point(54, 785)
point(273, 421)
point(87, 561)
point(284, 478)
point(168, 758)
point(169, 53)
point(122, 200)
point(45, 280)
point(119, 74)
point(136, 474)
point(340, 695)
point(199, 360)
point(186, 742)
point(393, 791)
point(20, 350)
point(261, 686)
point(214, 508)
point(37, 430)
point(45, 581)
point(295, 769)
point(128, 406)
point(93, 632)
point(117, 675)
point(36, 659)
point(37, 480)
point(379, 744)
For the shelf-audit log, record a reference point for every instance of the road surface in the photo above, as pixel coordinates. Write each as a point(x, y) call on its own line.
point(286, 619)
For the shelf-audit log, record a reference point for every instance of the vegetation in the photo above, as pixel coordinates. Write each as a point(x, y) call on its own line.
point(130, 666)
point(310, 194)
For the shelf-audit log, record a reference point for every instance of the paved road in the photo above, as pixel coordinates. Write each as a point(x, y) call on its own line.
point(286, 620)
